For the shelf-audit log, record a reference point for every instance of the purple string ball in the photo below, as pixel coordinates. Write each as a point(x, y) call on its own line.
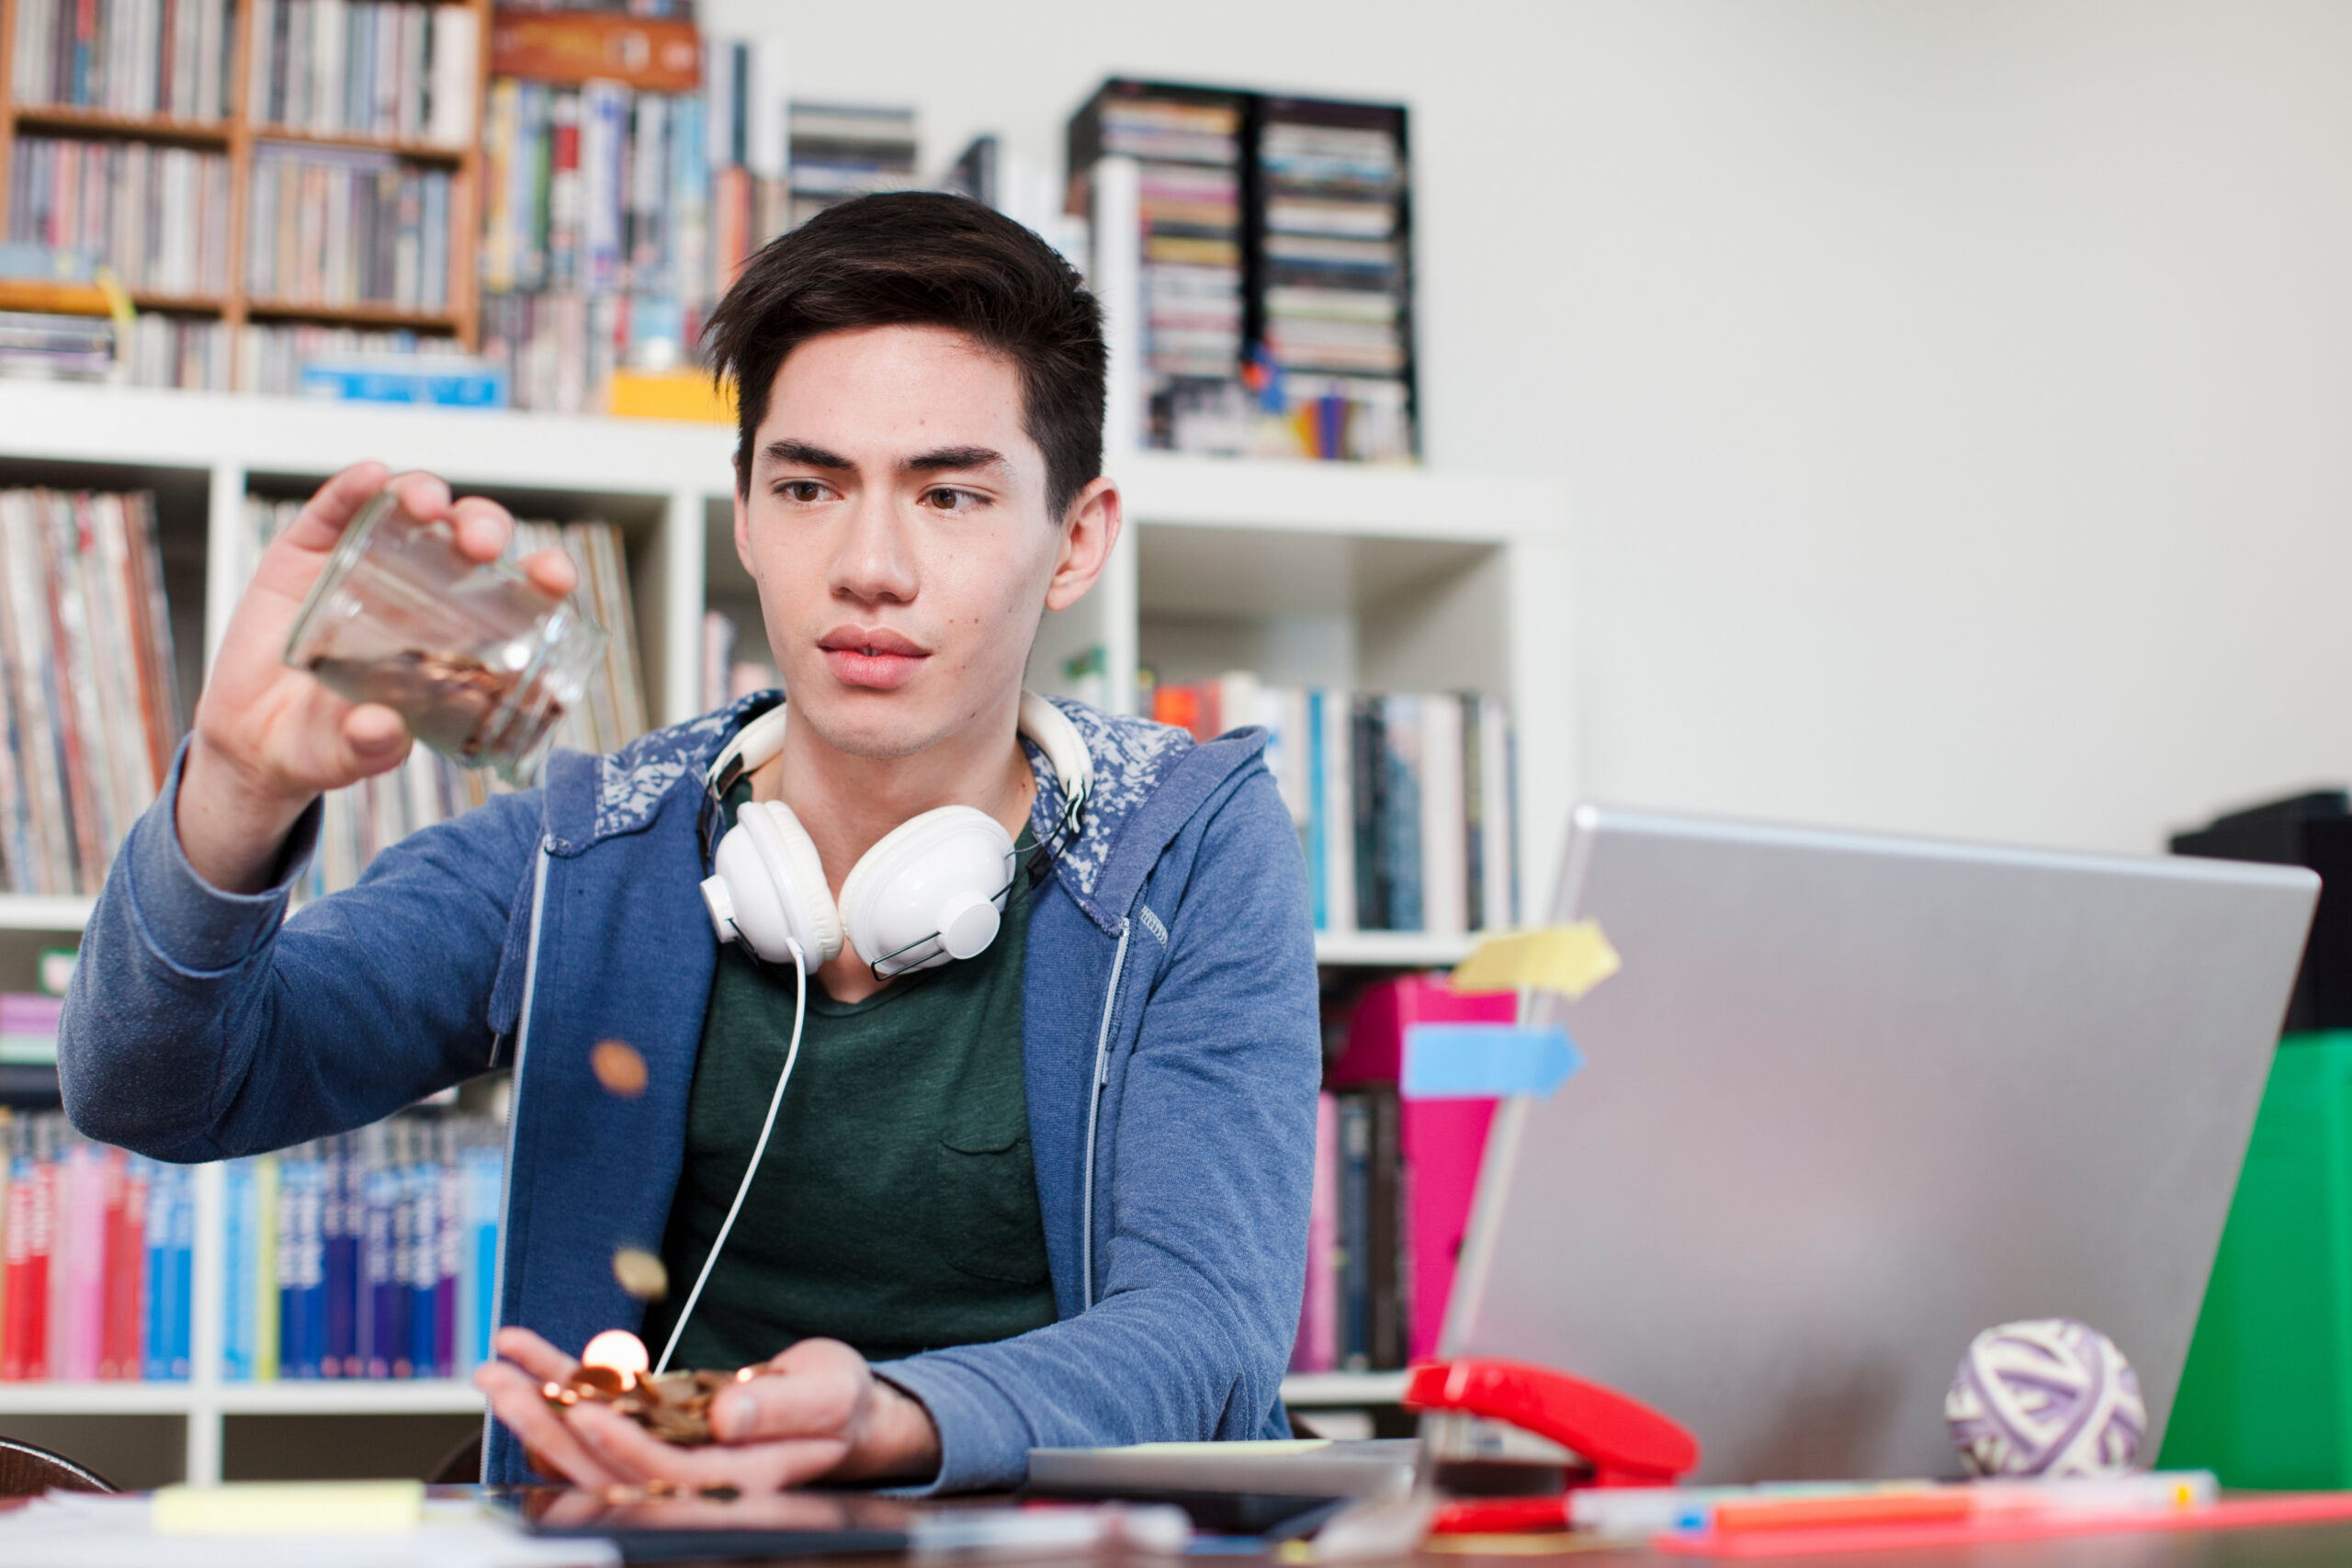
point(2047, 1397)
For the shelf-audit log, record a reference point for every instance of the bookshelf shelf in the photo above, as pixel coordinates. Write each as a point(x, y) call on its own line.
point(347, 1397)
point(184, 304)
point(1325, 1390)
point(30, 912)
point(70, 119)
point(306, 1397)
point(96, 1398)
point(357, 315)
point(1392, 950)
point(414, 151)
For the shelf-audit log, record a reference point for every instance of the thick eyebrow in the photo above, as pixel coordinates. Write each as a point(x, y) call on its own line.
point(951, 459)
point(805, 456)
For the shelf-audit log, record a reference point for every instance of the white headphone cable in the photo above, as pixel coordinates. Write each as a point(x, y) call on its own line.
point(791, 1054)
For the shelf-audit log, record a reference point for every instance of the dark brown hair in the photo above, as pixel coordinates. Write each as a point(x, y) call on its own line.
point(921, 258)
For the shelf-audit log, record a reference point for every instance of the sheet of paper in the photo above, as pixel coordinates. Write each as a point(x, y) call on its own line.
point(290, 1507)
point(86, 1531)
point(1570, 959)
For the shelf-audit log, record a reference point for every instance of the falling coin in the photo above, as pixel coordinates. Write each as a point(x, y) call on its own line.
point(640, 1274)
point(619, 1349)
point(618, 1068)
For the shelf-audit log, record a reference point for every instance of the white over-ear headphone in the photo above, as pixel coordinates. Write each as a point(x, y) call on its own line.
point(933, 888)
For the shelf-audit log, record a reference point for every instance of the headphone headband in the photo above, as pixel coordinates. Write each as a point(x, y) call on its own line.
point(1040, 720)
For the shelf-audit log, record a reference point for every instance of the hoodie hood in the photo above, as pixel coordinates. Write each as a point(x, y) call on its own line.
point(1148, 779)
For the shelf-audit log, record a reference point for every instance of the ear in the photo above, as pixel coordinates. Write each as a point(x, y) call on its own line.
point(743, 531)
point(1090, 533)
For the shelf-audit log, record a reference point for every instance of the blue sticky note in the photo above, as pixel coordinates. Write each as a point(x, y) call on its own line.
point(1463, 1061)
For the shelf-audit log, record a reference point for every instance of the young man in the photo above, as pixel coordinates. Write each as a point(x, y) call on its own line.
point(1053, 1194)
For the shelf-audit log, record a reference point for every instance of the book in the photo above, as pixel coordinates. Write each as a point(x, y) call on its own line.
point(441, 380)
point(240, 1252)
point(1385, 1237)
point(837, 151)
point(87, 682)
point(1276, 280)
point(119, 1347)
point(125, 57)
point(1403, 801)
point(28, 1027)
point(603, 246)
point(1190, 146)
point(649, 53)
point(345, 226)
point(1351, 1257)
point(1316, 1349)
point(390, 72)
point(163, 228)
point(1439, 1147)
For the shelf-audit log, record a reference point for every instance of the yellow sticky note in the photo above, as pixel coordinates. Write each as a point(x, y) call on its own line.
point(290, 1508)
point(1570, 960)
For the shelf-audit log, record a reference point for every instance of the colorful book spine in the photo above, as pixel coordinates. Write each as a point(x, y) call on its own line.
point(383, 1325)
point(340, 1227)
point(301, 1263)
point(77, 1333)
point(264, 1269)
point(1318, 1349)
point(119, 1355)
point(448, 1254)
point(1404, 801)
point(26, 1291)
point(485, 1197)
point(1353, 1270)
point(240, 1245)
point(163, 1300)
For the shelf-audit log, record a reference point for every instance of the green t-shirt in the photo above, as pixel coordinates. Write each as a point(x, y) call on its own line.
point(896, 1207)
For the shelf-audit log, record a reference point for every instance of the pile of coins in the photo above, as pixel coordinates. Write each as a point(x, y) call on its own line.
point(674, 1407)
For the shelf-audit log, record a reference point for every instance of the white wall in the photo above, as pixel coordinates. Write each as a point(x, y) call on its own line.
point(1955, 394)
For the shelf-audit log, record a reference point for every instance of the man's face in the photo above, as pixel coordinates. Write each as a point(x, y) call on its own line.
point(898, 528)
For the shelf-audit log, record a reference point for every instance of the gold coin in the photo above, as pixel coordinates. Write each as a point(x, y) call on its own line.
point(618, 1068)
point(640, 1274)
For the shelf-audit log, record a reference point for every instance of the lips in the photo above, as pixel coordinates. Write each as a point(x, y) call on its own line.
point(873, 657)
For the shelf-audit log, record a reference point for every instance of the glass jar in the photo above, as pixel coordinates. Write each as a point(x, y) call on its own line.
point(480, 660)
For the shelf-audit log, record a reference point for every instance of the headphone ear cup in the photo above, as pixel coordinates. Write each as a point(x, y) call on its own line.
point(928, 876)
point(789, 856)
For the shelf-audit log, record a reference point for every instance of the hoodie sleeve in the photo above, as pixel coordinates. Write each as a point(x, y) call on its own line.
point(202, 1025)
point(1202, 1240)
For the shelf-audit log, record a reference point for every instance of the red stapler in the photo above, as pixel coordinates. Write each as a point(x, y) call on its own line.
point(1610, 1440)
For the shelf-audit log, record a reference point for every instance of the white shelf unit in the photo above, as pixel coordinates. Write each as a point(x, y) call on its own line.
point(1321, 573)
point(1341, 1390)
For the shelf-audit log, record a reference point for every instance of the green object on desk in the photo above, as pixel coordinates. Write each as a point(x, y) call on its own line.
point(2265, 1397)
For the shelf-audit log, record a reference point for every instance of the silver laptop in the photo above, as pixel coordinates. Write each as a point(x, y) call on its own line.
point(1852, 1099)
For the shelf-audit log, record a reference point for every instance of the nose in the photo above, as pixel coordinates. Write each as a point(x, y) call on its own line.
point(875, 563)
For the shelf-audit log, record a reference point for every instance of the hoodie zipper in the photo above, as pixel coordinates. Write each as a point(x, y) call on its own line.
point(1094, 1116)
point(515, 1105)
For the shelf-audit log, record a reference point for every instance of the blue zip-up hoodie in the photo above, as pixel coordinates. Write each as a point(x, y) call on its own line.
point(1169, 1038)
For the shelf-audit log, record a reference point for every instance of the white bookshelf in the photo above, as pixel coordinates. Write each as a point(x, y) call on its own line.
point(1311, 573)
point(1397, 578)
point(1340, 1391)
